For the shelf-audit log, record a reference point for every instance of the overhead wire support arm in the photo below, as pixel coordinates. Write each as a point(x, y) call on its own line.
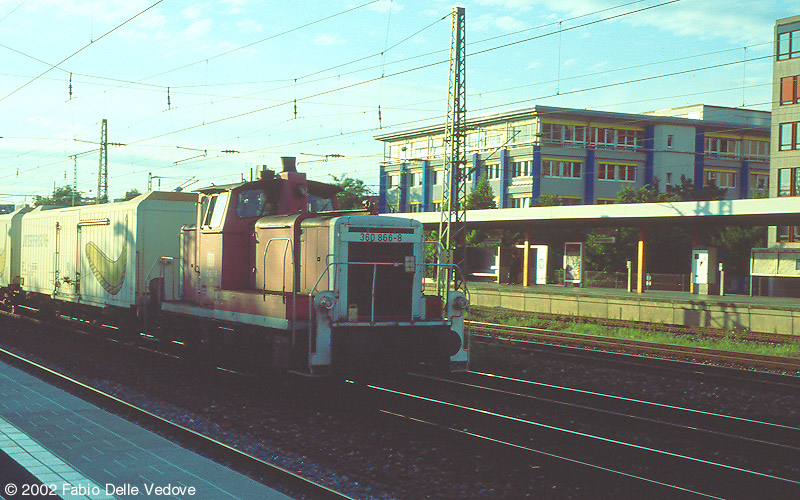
point(452, 225)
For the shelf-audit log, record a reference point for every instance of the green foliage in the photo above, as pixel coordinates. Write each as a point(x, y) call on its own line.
point(354, 193)
point(688, 191)
point(62, 197)
point(133, 193)
point(728, 343)
point(547, 200)
point(669, 246)
point(482, 197)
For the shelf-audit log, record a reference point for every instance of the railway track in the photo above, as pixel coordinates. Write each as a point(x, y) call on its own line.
point(299, 486)
point(638, 449)
point(689, 360)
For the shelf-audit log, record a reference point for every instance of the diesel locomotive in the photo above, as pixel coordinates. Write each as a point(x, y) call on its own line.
point(269, 269)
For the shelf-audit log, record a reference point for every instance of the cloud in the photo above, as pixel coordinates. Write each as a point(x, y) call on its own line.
point(235, 5)
point(745, 21)
point(327, 39)
point(249, 26)
point(194, 11)
point(198, 29)
point(490, 22)
point(386, 6)
point(508, 23)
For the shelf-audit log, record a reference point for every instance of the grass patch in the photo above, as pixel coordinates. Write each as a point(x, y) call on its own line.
point(729, 342)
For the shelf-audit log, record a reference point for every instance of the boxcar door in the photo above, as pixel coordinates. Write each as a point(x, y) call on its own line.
point(66, 256)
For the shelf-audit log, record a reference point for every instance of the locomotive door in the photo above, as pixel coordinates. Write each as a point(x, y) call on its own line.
point(66, 257)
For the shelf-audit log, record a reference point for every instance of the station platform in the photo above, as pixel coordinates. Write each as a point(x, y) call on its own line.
point(84, 453)
point(771, 315)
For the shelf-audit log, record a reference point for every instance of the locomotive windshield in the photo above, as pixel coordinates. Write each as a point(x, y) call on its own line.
point(319, 204)
point(216, 209)
point(253, 203)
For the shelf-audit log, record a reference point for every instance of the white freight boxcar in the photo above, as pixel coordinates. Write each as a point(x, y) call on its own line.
point(9, 247)
point(105, 255)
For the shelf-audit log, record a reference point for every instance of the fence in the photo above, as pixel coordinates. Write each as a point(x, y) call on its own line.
point(600, 279)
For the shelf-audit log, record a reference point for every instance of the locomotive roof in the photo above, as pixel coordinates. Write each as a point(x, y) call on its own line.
point(314, 187)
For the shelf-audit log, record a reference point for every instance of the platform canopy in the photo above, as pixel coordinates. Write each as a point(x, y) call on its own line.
point(755, 212)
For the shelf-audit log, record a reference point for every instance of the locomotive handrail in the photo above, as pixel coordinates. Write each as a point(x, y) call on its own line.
point(374, 271)
point(164, 261)
point(289, 244)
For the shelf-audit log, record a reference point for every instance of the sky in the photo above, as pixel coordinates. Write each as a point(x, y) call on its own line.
point(202, 93)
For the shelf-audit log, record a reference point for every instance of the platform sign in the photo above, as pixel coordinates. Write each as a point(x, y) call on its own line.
point(573, 262)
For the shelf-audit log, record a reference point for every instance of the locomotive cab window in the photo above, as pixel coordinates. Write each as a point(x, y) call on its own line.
point(216, 209)
point(319, 203)
point(253, 203)
point(203, 207)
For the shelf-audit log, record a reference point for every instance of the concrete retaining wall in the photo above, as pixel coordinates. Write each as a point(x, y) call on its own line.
point(719, 314)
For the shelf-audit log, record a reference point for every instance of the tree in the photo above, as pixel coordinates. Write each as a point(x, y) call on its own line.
point(547, 200)
point(133, 193)
point(482, 197)
point(688, 191)
point(354, 193)
point(63, 196)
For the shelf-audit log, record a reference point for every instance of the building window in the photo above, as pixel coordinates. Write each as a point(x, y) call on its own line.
point(416, 179)
point(722, 146)
point(520, 134)
point(614, 172)
point(788, 139)
point(492, 171)
point(394, 181)
point(670, 141)
point(614, 138)
point(415, 207)
point(759, 185)
point(437, 144)
point(788, 234)
point(723, 179)
point(436, 177)
point(522, 202)
point(566, 201)
point(788, 45)
point(495, 138)
point(788, 181)
point(521, 168)
point(436, 206)
point(789, 90)
point(753, 148)
point(557, 133)
point(561, 168)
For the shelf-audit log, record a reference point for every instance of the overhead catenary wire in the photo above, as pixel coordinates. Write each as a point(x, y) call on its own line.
point(312, 139)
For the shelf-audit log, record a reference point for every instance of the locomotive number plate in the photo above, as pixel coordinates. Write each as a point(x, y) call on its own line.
point(381, 234)
point(381, 237)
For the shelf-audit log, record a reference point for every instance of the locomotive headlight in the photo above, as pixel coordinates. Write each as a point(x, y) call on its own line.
point(324, 301)
point(460, 303)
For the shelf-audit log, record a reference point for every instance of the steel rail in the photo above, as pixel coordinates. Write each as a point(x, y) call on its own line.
point(654, 327)
point(769, 438)
point(709, 354)
point(685, 368)
point(254, 465)
point(718, 480)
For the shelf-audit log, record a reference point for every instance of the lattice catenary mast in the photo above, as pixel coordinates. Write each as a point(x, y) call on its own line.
point(102, 172)
point(452, 226)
